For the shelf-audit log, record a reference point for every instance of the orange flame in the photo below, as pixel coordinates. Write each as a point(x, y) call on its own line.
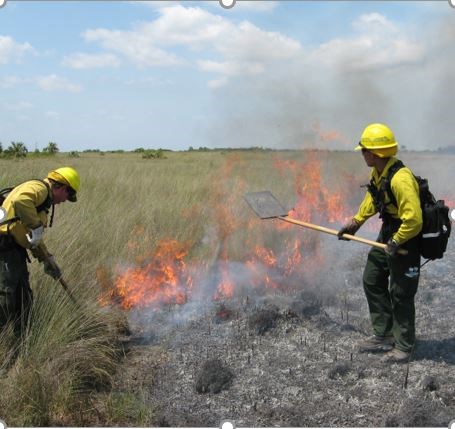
point(162, 280)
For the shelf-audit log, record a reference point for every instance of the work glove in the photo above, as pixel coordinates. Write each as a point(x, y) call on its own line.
point(51, 268)
point(391, 247)
point(350, 228)
point(35, 236)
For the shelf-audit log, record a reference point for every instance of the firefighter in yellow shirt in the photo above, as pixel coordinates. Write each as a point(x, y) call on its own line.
point(25, 216)
point(390, 280)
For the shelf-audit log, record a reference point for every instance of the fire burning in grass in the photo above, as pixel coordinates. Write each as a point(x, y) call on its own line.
point(274, 257)
point(164, 277)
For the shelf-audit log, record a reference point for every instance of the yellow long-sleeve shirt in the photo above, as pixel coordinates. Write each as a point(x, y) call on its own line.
point(22, 202)
point(406, 191)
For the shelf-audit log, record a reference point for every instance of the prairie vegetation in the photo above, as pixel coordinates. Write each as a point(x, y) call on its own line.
point(64, 369)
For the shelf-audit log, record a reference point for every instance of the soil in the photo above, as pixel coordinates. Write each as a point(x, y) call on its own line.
point(292, 361)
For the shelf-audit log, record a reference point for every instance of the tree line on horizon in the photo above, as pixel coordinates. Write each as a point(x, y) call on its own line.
point(19, 150)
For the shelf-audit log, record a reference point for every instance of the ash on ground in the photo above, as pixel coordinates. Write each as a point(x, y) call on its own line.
point(291, 361)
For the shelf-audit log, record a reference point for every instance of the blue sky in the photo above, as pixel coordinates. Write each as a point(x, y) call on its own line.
point(120, 75)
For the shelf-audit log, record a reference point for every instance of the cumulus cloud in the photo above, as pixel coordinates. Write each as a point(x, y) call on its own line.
point(136, 46)
point(56, 83)
point(245, 48)
point(378, 44)
point(12, 51)
point(89, 61)
point(374, 23)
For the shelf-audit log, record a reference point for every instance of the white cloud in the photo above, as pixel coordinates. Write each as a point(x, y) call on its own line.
point(230, 68)
point(379, 44)
point(244, 47)
point(190, 26)
point(222, 46)
point(374, 22)
point(88, 61)
point(55, 83)
point(11, 51)
point(137, 46)
point(248, 42)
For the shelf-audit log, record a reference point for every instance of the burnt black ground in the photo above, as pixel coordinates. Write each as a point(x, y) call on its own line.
point(293, 360)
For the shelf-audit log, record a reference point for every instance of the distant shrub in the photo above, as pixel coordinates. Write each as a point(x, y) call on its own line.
point(74, 154)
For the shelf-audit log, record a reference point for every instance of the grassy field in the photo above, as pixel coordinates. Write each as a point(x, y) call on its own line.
point(62, 371)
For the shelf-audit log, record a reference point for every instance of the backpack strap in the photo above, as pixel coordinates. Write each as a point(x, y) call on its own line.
point(379, 194)
point(48, 203)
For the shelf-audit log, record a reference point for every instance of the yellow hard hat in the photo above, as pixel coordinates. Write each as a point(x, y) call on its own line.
point(69, 177)
point(376, 137)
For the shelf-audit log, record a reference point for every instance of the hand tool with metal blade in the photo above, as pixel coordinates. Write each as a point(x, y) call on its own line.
point(266, 206)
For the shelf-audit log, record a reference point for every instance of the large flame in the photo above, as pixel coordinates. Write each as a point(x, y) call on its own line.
point(163, 279)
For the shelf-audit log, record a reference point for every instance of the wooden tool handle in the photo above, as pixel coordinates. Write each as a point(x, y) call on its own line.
point(65, 286)
point(335, 232)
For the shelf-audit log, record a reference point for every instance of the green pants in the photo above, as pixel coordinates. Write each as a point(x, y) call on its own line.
point(390, 284)
point(15, 294)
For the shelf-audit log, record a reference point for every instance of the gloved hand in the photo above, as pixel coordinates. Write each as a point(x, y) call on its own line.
point(51, 268)
point(350, 228)
point(391, 247)
point(35, 236)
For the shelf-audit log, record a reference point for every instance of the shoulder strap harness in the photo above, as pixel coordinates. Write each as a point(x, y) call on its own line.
point(379, 194)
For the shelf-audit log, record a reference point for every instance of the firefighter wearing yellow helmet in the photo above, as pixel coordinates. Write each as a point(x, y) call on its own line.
point(390, 280)
point(25, 209)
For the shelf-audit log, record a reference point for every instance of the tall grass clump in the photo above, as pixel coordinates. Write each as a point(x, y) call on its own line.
point(66, 351)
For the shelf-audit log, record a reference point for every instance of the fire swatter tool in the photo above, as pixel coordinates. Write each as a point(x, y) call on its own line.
point(266, 206)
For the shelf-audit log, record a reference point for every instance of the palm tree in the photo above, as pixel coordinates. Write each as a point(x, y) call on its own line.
point(51, 148)
point(17, 150)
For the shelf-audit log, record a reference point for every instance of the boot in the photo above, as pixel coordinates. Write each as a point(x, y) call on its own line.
point(396, 356)
point(376, 344)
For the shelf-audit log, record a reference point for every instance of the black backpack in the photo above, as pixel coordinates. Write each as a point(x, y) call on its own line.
point(436, 226)
point(42, 207)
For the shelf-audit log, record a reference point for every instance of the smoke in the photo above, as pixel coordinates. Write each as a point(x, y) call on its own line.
point(399, 77)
